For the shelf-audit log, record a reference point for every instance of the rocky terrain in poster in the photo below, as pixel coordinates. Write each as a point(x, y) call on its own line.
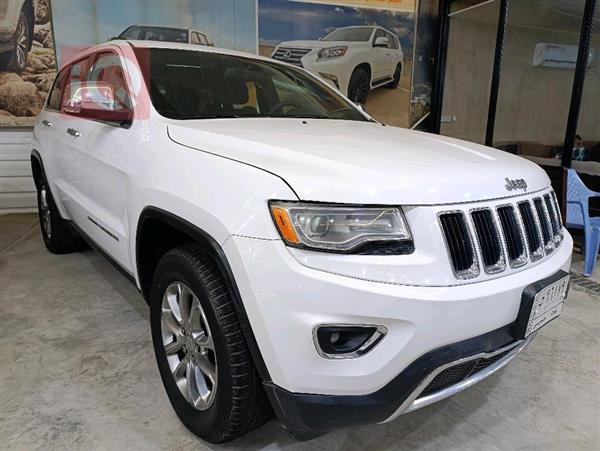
point(22, 95)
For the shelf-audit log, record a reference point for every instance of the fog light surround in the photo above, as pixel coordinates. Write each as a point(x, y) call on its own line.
point(346, 341)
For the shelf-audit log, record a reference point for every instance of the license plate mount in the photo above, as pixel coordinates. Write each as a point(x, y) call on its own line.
point(541, 302)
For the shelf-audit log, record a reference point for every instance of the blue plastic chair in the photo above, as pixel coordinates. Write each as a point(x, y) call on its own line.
point(578, 216)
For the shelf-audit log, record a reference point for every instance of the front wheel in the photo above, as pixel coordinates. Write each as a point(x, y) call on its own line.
point(202, 356)
point(359, 86)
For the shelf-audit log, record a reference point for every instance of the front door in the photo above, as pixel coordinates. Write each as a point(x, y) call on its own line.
point(91, 155)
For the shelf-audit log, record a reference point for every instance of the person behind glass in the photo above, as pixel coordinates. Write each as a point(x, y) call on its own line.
point(579, 150)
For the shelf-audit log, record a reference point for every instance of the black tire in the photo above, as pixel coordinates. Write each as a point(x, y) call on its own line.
point(359, 86)
point(239, 404)
point(16, 59)
point(396, 81)
point(58, 238)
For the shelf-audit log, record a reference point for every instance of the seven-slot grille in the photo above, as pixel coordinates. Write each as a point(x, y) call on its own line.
point(290, 55)
point(494, 239)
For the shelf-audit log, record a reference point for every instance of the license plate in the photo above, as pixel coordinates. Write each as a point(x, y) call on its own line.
point(541, 303)
point(547, 305)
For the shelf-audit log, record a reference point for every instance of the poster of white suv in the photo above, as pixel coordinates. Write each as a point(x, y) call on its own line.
point(353, 59)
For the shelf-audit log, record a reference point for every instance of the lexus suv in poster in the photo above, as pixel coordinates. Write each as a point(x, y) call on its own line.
point(353, 59)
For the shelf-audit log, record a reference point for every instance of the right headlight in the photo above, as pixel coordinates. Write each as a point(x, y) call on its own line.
point(342, 228)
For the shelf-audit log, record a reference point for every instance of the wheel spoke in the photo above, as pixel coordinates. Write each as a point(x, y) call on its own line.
point(181, 368)
point(184, 301)
point(191, 383)
point(171, 322)
point(174, 346)
point(205, 341)
point(207, 367)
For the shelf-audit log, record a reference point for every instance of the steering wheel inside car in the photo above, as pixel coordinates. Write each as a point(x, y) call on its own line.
point(282, 105)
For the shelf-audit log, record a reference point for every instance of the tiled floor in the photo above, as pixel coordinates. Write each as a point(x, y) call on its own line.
point(77, 371)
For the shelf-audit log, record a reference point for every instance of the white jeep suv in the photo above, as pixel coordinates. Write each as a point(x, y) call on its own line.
point(353, 59)
point(296, 255)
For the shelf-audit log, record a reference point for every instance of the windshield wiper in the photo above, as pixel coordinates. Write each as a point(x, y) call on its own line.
point(214, 116)
point(311, 116)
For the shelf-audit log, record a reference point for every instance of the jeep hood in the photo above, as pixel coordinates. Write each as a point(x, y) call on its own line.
point(362, 162)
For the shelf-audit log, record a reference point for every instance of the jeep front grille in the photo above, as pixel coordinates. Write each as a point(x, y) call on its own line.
point(511, 235)
point(290, 55)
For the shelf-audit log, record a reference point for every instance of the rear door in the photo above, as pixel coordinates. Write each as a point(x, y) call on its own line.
point(92, 153)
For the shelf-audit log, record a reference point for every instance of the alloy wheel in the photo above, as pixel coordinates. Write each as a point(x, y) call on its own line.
point(21, 43)
point(45, 213)
point(189, 346)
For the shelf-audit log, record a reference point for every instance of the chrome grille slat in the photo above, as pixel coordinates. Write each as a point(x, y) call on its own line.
point(508, 236)
point(532, 232)
point(488, 239)
point(459, 244)
point(513, 236)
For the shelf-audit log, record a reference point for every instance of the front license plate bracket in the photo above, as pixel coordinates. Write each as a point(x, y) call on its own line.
point(526, 322)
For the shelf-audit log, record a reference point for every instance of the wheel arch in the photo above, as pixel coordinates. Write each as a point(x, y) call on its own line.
point(37, 168)
point(174, 230)
point(367, 67)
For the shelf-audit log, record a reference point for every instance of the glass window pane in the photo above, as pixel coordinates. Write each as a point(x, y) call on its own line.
point(538, 68)
point(469, 63)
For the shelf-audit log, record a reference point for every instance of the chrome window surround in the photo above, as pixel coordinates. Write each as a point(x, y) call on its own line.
point(414, 402)
point(368, 346)
point(529, 255)
point(473, 271)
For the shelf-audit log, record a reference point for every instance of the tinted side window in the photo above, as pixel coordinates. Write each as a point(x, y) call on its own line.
point(74, 75)
point(107, 69)
point(393, 42)
point(57, 90)
point(379, 34)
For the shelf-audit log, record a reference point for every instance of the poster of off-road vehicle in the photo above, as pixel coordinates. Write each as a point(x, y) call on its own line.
point(362, 48)
point(27, 60)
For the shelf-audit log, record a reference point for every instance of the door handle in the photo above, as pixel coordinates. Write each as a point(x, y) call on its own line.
point(47, 123)
point(73, 132)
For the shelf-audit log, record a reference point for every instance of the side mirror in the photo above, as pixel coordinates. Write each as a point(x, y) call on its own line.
point(382, 41)
point(96, 100)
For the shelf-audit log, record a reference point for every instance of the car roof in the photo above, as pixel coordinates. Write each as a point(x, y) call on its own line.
point(184, 46)
point(170, 45)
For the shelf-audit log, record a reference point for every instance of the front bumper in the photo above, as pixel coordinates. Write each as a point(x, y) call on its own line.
point(305, 416)
point(428, 327)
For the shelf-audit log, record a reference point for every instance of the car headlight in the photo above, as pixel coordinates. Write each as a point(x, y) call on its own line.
point(331, 52)
point(342, 228)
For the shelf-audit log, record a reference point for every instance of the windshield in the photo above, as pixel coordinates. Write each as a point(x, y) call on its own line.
point(187, 84)
point(353, 34)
